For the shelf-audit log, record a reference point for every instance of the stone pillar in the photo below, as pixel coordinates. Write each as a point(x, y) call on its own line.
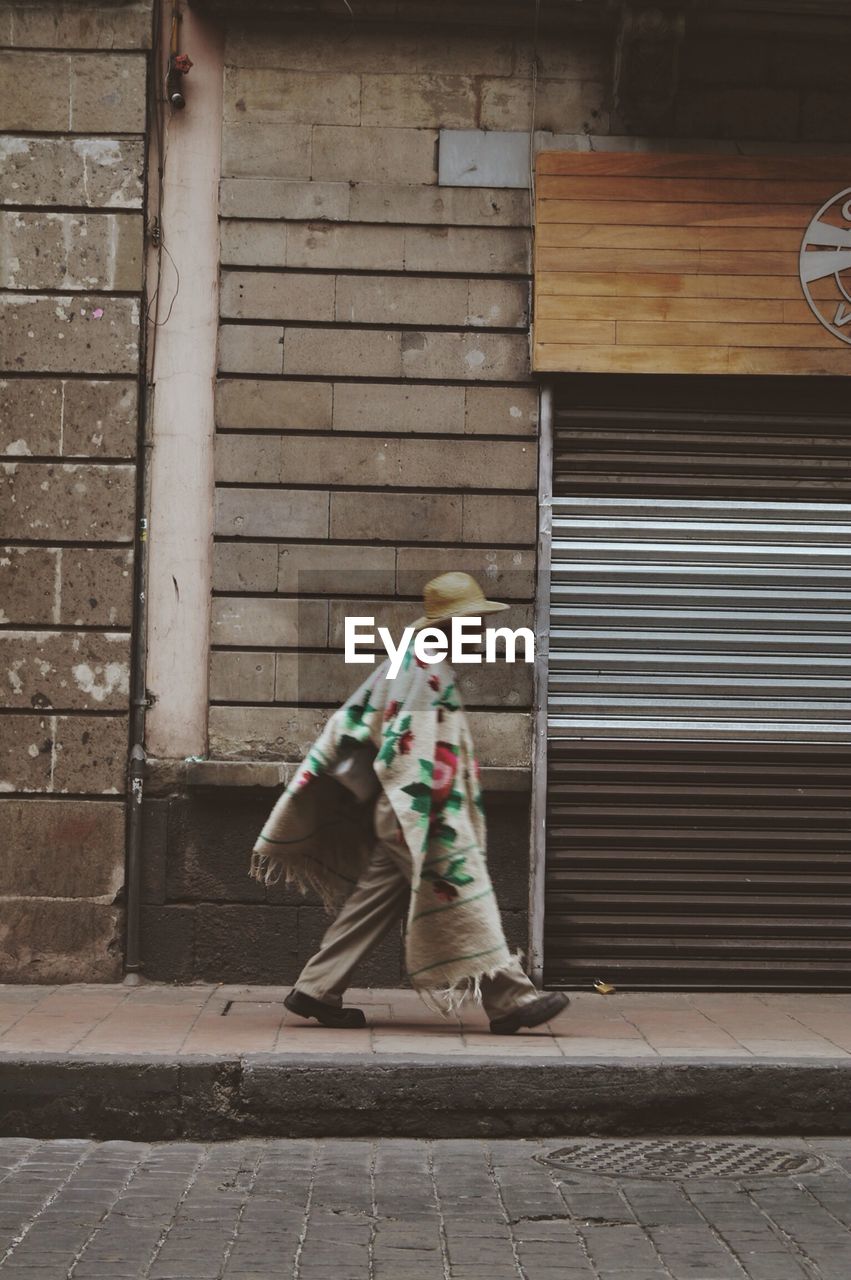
point(183, 348)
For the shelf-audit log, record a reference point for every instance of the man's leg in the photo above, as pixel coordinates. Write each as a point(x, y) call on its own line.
point(511, 1001)
point(372, 908)
point(510, 988)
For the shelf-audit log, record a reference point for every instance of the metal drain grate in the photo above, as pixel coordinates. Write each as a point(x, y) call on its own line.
point(682, 1158)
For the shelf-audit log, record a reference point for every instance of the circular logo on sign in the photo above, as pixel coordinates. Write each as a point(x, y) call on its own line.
point(824, 265)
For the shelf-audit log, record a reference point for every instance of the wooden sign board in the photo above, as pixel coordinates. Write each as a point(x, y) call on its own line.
point(662, 263)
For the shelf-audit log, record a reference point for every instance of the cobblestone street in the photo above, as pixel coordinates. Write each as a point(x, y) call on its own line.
point(408, 1210)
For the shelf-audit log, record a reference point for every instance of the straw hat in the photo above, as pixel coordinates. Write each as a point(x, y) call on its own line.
point(454, 595)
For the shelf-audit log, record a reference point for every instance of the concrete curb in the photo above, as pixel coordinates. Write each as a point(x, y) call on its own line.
point(278, 1095)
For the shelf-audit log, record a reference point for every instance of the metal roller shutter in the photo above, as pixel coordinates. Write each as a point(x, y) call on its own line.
point(699, 701)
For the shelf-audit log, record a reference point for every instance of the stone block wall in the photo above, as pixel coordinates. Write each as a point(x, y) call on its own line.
point(376, 416)
point(376, 419)
point(72, 139)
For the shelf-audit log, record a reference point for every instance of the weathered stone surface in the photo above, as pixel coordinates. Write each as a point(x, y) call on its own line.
point(71, 251)
point(96, 587)
point(81, 26)
point(501, 411)
point(393, 300)
point(96, 172)
point(283, 198)
point(385, 461)
point(280, 98)
point(351, 245)
point(409, 48)
point(393, 408)
point(88, 502)
point(268, 513)
point(566, 55)
point(57, 940)
point(50, 416)
point(29, 584)
point(245, 459)
point(451, 206)
point(35, 91)
point(91, 754)
point(82, 754)
point(259, 295)
point(256, 150)
point(370, 154)
point(209, 840)
point(247, 405)
point(342, 352)
point(250, 566)
point(504, 519)
point(408, 517)
point(61, 848)
point(498, 304)
point(253, 244)
point(561, 106)
point(473, 356)
point(99, 418)
point(250, 348)
point(335, 569)
point(242, 677)
point(485, 250)
point(108, 93)
point(65, 334)
point(504, 575)
point(64, 670)
point(502, 737)
point(420, 101)
point(370, 202)
point(241, 620)
point(241, 943)
point(26, 752)
point(281, 733)
point(31, 416)
point(238, 773)
point(80, 586)
point(153, 848)
point(168, 943)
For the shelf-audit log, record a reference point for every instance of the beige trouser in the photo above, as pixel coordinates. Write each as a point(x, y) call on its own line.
point(377, 903)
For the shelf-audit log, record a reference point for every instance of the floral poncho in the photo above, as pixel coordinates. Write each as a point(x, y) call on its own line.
point(318, 836)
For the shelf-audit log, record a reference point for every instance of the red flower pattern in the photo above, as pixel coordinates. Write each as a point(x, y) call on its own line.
point(405, 742)
point(443, 774)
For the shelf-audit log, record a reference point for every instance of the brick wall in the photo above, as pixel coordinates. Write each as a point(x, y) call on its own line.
point(72, 116)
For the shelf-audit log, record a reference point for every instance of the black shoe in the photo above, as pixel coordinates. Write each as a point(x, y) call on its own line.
point(531, 1014)
point(327, 1014)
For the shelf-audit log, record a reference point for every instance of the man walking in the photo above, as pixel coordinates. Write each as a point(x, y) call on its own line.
point(386, 812)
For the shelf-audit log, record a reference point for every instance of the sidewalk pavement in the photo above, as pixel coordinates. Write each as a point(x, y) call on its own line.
point(155, 1019)
point(205, 1061)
